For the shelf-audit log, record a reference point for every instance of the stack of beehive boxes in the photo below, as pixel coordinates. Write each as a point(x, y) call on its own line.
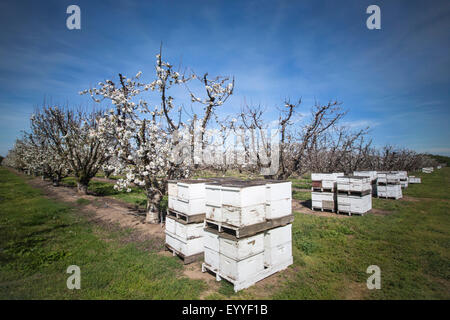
point(413, 179)
point(388, 185)
point(428, 170)
point(247, 234)
point(403, 176)
point(185, 219)
point(323, 191)
point(373, 179)
point(354, 194)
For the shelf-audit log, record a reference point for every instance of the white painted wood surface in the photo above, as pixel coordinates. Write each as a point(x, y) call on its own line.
point(211, 240)
point(277, 254)
point(326, 176)
point(354, 204)
point(172, 189)
point(323, 200)
point(277, 236)
point(244, 216)
point(190, 191)
point(244, 196)
point(389, 191)
point(371, 174)
point(213, 195)
point(212, 258)
point(413, 179)
point(355, 184)
point(242, 269)
point(214, 213)
point(170, 224)
point(186, 247)
point(278, 191)
point(240, 249)
point(190, 207)
point(278, 208)
point(189, 231)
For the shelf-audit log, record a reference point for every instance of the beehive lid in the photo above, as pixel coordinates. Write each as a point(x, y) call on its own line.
point(243, 183)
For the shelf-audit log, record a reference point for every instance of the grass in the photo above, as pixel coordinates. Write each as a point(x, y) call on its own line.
point(301, 195)
point(410, 243)
point(40, 238)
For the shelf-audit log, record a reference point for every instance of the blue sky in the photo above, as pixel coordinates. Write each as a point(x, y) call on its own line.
point(396, 80)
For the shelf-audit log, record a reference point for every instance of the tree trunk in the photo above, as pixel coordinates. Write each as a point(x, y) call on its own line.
point(153, 200)
point(82, 188)
point(55, 182)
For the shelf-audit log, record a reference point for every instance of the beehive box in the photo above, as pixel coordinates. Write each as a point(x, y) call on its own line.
point(325, 180)
point(191, 189)
point(189, 207)
point(278, 208)
point(188, 231)
point(278, 190)
point(213, 194)
point(354, 204)
point(388, 177)
point(413, 179)
point(277, 236)
point(354, 184)
point(214, 213)
point(244, 216)
point(371, 174)
point(242, 194)
point(172, 189)
point(279, 253)
point(239, 249)
point(241, 270)
point(389, 191)
point(212, 258)
point(211, 240)
point(187, 247)
point(323, 200)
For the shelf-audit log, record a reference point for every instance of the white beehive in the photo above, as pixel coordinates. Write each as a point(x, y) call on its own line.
point(189, 231)
point(278, 190)
point(371, 174)
point(213, 194)
point(187, 247)
point(278, 208)
point(354, 184)
point(212, 258)
point(243, 194)
point(172, 189)
point(242, 269)
point(323, 200)
point(277, 236)
point(389, 191)
point(189, 207)
point(214, 213)
point(280, 253)
point(413, 179)
point(171, 202)
point(243, 216)
point(239, 249)
point(354, 204)
point(191, 189)
point(325, 180)
point(211, 240)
